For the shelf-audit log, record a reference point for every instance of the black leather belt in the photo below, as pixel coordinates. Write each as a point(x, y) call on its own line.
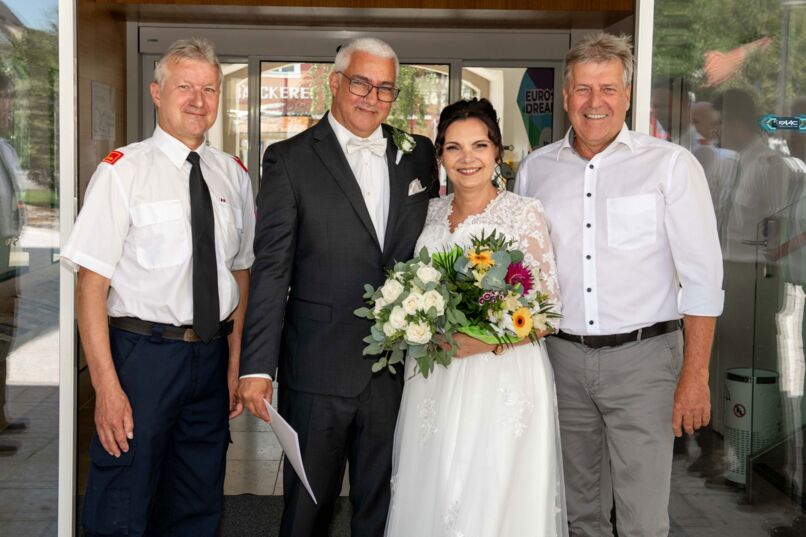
point(614, 340)
point(166, 331)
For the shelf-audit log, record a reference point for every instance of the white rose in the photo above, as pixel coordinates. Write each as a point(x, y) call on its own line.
point(379, 305)
point(412, 303)
point(391, 290)
point(418, 333)
point(428, 274)
point(397, 318)
point(388, 329)
point(432, 299)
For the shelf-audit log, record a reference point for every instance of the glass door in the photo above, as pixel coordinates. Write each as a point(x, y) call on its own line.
point(729, 84)
point(295, 96)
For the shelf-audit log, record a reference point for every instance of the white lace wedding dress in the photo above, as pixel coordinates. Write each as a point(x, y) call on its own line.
point(477, 449)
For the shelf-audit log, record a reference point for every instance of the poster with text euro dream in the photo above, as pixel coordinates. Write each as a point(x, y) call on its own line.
point(536, 103)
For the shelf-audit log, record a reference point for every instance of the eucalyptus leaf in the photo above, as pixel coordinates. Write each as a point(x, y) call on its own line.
point(379, 365)
point(362, 312)
point(377, 334)
point(373, 348)
point(396, 357)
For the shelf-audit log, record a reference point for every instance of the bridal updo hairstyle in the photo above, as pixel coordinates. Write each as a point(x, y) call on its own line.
point(480, 109)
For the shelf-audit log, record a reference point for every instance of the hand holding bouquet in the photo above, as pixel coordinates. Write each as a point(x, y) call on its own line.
point(499, 295)
point(485, 291)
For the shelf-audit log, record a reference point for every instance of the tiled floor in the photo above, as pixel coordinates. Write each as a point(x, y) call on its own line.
point(702, 504)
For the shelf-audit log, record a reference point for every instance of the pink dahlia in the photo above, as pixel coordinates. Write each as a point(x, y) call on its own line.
point(518, 273)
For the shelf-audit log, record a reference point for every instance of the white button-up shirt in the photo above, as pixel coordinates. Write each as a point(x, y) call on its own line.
point(371, 173)
point(134, 228)
point(633, 231)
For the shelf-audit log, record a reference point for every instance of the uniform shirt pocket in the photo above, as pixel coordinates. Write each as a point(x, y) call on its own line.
point(631, 221)
point(230, 230)
point(162, 237)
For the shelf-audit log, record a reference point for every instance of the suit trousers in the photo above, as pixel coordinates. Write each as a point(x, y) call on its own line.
point(615, 410)
point(333, 430)
point(171, 481)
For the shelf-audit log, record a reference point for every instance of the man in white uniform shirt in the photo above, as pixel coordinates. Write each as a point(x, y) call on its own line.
point(635, 237)
point(163, 246)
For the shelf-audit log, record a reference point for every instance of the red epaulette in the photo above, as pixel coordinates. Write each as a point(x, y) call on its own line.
point(240, 163)
point(113, 157)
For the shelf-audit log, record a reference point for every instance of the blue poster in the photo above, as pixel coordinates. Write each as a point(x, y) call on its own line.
point(536, 103)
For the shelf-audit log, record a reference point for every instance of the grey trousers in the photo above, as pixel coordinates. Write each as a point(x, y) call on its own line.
point(615, 411)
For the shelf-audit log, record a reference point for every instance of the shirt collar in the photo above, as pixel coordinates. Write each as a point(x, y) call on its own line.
point(624, 137)
point(176, 151)
point(343, 135)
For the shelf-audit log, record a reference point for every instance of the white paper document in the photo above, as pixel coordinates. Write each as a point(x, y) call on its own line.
point(289, 441)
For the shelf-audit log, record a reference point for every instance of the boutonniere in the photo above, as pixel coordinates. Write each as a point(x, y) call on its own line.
point(404, 142)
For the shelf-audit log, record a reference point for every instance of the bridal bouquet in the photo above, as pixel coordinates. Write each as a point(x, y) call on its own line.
point(497, 290)
point(414, 312)
point(484, 291)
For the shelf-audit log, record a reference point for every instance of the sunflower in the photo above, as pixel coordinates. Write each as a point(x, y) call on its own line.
point(522, 321)
point(482, 259)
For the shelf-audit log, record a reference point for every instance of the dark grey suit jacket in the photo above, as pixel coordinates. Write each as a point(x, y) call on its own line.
point(314, 235)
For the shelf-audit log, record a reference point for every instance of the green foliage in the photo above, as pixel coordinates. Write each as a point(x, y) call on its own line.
point(30, 61)
point(685, 30)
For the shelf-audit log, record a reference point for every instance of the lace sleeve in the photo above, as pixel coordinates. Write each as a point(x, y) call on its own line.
point(533, 234)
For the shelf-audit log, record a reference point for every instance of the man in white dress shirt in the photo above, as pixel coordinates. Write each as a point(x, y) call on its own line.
point(163, 246)
point(635, 237)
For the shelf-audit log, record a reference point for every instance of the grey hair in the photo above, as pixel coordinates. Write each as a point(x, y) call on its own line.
point(370, 45)
point(600, 47)
point(194, 48)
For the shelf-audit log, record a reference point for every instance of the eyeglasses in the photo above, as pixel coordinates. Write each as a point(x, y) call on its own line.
point(362, 88)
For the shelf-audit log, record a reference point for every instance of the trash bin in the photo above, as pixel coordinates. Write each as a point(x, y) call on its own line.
point(752, 420)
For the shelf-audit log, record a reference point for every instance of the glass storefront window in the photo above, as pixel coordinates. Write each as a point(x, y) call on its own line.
point(230, 131)
point(29, 271)
point(729, 84)
point(295, 96)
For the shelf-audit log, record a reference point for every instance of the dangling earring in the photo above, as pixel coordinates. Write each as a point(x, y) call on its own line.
point(499, 181)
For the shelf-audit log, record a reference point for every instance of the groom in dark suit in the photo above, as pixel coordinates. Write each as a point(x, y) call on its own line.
point(339, 204)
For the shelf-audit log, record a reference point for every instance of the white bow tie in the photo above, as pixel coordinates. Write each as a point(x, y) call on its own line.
point(376, 145)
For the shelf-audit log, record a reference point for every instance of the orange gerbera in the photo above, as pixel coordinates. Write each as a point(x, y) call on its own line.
point(482, 259)
point(522, 321)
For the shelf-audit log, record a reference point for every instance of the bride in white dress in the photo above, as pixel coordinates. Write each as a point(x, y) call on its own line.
point(477, 449)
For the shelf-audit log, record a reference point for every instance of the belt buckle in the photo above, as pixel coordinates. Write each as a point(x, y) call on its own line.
point(638, 338)
point(189, 336)
point(582, 340)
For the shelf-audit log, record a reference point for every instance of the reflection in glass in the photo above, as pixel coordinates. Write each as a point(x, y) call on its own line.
point(29, 289)
point(719, 66)
point(295, 96)
point(230, 131)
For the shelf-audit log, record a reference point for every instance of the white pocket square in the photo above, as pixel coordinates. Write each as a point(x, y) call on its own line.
point(415, 187)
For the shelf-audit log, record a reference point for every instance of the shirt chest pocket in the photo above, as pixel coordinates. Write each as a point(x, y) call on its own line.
point(631, 222)
point(161, 234)
point(230, 224)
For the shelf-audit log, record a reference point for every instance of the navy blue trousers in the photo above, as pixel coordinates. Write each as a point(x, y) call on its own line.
point(171, 481)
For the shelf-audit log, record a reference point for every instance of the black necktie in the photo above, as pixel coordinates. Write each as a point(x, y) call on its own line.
point(205, 281)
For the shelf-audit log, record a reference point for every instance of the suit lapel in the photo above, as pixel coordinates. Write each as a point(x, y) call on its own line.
point(396, 189)
point(328, 148)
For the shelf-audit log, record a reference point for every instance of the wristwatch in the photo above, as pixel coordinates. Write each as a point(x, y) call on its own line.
point(499, 349)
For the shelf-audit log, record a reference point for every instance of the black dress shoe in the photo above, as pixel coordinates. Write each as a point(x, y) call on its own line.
point(7, 451)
